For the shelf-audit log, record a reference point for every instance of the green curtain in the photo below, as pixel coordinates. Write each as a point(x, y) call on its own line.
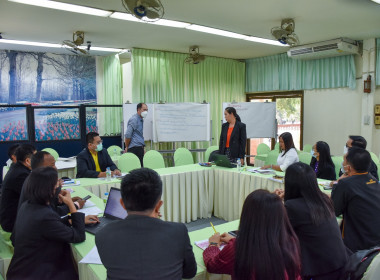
point(109, 119)
point(163, 76)
point(378, 62)
point(279, 72)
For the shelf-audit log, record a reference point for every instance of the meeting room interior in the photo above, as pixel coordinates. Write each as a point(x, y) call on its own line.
point(206, 93)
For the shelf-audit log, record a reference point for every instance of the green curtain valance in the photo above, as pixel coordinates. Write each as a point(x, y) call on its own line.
point(279, 72)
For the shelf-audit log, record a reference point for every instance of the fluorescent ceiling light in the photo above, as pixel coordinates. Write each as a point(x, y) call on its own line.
point(215, 31)
point(264, 41)
point(171, 23)
point(65, 7)
point(102, 49)
point(49, 45)
point(125, 16)
point(27, 43)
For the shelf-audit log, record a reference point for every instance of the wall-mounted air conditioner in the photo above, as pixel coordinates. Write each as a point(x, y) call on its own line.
point(342, 46)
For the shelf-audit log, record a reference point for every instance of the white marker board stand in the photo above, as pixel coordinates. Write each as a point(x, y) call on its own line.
point(181, 122)
point(259, 118)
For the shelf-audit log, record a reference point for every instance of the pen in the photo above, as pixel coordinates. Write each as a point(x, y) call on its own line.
point(213, 227)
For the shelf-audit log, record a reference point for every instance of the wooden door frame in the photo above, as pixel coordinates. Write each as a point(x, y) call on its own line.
point(274, 95)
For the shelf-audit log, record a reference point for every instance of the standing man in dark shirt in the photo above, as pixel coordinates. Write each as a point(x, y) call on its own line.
point(12, 186)
point(357, 197)
point(134, 138)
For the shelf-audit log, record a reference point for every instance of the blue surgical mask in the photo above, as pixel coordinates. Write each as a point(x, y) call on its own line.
point(345, 150)
point(313, 154)
point(99, 147)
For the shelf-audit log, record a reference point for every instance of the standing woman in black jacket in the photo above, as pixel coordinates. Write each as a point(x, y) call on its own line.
point(311, 213)
point(321, 161)
point(41, 239)
point(233, 137)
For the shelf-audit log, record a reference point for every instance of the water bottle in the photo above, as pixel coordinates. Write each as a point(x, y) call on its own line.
point(238, 164)
point(105, 198)
point(108, 174)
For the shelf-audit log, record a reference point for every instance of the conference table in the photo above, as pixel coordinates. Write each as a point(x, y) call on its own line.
point(192, 191)
point(98, 272)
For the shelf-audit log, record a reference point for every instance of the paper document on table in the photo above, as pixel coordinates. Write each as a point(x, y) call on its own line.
point(71, 183)
point(89, 204)
point(203, 244)
point(262, 171)
point(94, 210)
point(92, 257)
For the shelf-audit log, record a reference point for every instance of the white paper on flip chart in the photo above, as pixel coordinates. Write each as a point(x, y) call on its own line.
point(92, 257)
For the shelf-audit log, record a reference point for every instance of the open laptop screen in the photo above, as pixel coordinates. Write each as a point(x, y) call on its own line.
point(113, 206)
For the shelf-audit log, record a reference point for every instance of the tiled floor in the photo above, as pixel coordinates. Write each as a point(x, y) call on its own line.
point(202, 223)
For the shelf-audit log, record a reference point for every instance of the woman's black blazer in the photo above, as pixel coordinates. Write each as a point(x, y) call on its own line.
point(327, 173)
point(238, 140)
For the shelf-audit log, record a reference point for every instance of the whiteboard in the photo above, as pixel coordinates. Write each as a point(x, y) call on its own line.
point(130, 109)
point(259, 118)
point(177, 122)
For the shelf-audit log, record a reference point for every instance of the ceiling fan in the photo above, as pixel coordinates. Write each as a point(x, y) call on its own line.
point(146, 10)
point(194, 56)
point(285, 33)
point(74, 45)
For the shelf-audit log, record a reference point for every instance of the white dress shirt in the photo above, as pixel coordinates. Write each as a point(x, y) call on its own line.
point(289, 158)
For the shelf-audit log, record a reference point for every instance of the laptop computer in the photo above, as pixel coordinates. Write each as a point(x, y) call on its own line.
point(113, 212)
point(222, 160)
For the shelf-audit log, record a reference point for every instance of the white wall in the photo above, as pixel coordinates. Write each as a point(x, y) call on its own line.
point(331, 115)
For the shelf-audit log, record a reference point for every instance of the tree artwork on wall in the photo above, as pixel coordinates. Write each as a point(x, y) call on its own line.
point(44, 79)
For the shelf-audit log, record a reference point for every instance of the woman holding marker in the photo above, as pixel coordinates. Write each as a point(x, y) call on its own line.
point(233, 137)
point(288, 153)
point(266, 246)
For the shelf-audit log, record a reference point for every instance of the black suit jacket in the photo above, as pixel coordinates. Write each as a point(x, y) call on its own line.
point(141, 247)
point(86, 165)
point(358, 198)
point(238, 140)
point(322, 247)
point(42, 249)
point(11, 191)
point(327, 173)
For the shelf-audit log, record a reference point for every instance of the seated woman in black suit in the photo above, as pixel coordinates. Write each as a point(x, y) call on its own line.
point(233, 137)
point(266, 246)
point(321, 161)
point(311, 213)
point(41, 239)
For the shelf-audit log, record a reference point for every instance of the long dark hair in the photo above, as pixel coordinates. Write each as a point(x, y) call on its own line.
point(40, 185)
point(301, 181)
point(232, 110)
point(324, 155)
point(266, 246)
point(288, 141)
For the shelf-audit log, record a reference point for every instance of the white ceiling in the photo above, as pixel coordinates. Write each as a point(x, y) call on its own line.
point(316, 20)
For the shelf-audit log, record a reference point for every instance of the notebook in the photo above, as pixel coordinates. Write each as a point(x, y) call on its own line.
point(222, 160)
point(113, 212)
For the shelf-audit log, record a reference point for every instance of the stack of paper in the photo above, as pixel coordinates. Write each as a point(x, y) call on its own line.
point(203, 244)
point(90, 208)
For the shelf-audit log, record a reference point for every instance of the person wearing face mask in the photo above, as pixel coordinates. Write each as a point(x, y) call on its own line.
point(93, 161)
point(359, 142)
point(357, 198)
point(134, 138)
point(12, 186)
point(321, 161)
point(42, 239)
